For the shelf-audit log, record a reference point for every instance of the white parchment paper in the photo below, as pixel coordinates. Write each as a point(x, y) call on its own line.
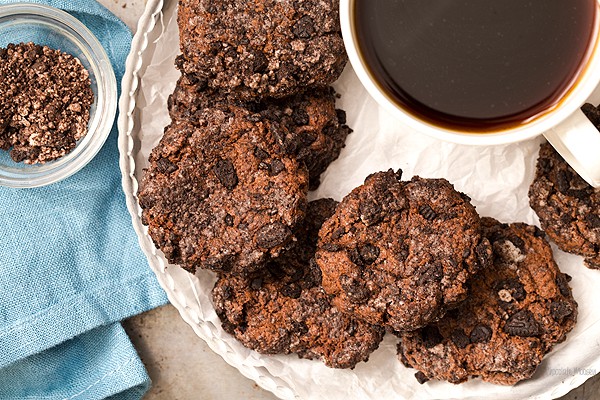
point(496, 178)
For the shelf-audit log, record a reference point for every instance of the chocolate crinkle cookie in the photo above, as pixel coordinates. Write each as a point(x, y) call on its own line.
point(221, 193)
point(45, 100)
point(283, 308)
point(567, 206)
point(518, 309)
point(268, 48)
point(307, 124)
point(399, 253)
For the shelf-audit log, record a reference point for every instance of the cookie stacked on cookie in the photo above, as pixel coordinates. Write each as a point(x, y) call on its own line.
point(227, 184)
point(399, 254)
point(254, 125)
point(518, 309)
point(468, 296)
point(283, 307)
point(259, 49)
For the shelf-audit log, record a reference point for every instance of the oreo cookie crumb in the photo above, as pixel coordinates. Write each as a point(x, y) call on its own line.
point(45, 100)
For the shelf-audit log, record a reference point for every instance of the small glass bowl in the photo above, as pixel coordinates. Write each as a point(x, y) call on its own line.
point(43, 25)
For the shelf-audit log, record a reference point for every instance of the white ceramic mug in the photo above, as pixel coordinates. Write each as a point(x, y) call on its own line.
point(565, 126)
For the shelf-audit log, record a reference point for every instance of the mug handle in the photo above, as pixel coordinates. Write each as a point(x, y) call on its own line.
point(577, 140)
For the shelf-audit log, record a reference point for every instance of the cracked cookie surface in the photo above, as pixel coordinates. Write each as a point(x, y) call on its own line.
point(266, 48)
point(518, 309)
point(222, 194)
point(307, 124)
point(284, 309)
point(400, 253)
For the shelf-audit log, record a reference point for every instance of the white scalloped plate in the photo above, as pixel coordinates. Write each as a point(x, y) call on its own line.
point(497, 190)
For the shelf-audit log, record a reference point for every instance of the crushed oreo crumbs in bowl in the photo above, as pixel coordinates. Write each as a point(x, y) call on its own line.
point(45, 100)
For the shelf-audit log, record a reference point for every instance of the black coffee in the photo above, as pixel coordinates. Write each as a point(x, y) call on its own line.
point(475, 65)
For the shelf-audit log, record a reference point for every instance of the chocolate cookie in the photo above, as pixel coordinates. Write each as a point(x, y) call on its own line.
point(567, 206)
point(307, 125)
point(222, 194)
point(267, 48)
point(400, 253)
point(518, 309)
point(283, 308)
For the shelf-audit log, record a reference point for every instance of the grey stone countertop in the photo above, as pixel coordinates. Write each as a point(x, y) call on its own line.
point(181, 365)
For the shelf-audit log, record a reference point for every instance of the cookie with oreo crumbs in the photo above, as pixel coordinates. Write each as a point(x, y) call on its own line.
point(399, 253)
point(307, 124)
point(222, 194)
point(518, 309)
point(284, 309)
point(567, 206)
point(269, 48)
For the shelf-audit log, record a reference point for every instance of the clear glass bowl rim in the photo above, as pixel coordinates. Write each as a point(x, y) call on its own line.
point(101, 121)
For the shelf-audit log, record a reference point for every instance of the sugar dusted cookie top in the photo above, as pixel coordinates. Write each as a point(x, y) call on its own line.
point(222, 195)
point(400, 253)
point(261, 48)
point(284, 309)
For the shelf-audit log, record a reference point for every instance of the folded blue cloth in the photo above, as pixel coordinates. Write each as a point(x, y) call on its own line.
point(71, 268)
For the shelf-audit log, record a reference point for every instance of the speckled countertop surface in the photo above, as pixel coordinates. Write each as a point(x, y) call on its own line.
point(181, 365)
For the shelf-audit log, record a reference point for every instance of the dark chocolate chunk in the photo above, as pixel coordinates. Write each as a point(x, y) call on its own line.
point(368, 253)
point(480, 334)
point(301, 117)
point(356, 292)
point(593, 221)
point(272, 235)
point(563, 285)
point(304, 28)
point(427, 212)
point(560, 310)
point(431, 273)
point(563, 178)
point(514, 287)
point(292, 291)
point(276, 167)
point(370, 212)
point(421, 377)
point(165, 166)
point(260, 153)
point(260, 62)
point(522, 323)
point(331, 247)
point(484, 253)
point(459, 338)
point(431, 336)
point(225, 172)
point(256, 283)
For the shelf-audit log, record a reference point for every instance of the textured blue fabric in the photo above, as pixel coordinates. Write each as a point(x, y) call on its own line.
point(59, 372)
point(71, 268)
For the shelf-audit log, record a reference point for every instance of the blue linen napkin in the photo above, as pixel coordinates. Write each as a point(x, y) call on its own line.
point(71, 268)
